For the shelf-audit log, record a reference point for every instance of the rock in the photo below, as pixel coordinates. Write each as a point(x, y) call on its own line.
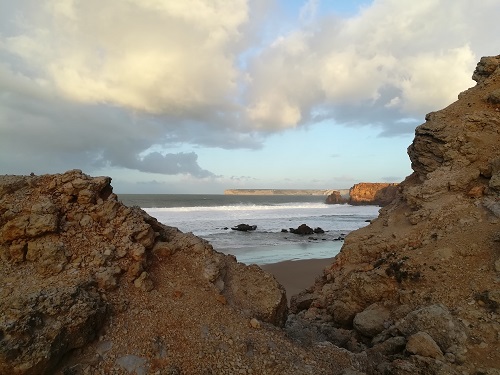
point(336, 198)
point(372, 320)
point(65, 242)
point(254, 323)
point(421, 343)
point(133, 364)
point(301, 302)
point(144, 282)
point(49, 256)
point(255, 291)
point(244, 227)
point(486, 67)
point(303, 230)
point(44, 325)
point(436, 321)
point(318, 230)
point(15, 229)
point(494, 97)
point(391, 346)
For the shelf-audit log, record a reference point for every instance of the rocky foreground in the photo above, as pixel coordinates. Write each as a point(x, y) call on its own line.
point(90, 286)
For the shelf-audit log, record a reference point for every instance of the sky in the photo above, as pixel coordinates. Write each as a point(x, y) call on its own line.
point(199, 96)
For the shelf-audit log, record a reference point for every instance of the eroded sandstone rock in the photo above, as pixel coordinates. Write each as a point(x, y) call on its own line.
point(71, 252)
point(39, 327)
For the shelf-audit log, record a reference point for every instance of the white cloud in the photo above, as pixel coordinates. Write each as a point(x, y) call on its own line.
point(155, 56)
point(92, 84)
point(423, 52)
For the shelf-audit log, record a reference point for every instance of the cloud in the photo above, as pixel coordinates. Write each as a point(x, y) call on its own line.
point(392, 60)
point(158, 57)
point(155, 162)
point(127, 83)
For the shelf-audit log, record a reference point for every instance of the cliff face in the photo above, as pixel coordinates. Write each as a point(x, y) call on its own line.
point(365, 193)
point(372, 193)
point(110, 290)
point(418, 289)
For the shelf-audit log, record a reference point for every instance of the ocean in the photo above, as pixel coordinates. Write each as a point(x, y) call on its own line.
point(212, 216)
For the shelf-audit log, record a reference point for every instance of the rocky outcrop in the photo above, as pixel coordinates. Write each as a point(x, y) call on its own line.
point(372, 193)
point(77, 265)
point(366, 193)
point(336, 198)
point(244, 227)
point(411, 290)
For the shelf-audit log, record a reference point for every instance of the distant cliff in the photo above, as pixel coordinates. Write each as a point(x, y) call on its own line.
point(281, 192)
point(379, 194)
point(365, 193)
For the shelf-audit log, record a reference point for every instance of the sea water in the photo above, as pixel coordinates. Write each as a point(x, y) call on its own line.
point(212, 216)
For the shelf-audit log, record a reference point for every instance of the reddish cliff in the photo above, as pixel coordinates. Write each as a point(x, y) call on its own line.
point(366, 193)
point(379, 194)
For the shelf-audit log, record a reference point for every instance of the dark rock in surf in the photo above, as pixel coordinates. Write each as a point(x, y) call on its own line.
point(244, 227)
point(318, 230)
point(303, 230)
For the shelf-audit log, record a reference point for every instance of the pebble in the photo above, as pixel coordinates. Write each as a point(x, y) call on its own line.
point(254, 323)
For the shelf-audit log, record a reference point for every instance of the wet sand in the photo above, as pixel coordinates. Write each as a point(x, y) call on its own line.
point(297, 275)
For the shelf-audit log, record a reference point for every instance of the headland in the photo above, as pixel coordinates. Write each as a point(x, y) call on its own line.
point(283, 191)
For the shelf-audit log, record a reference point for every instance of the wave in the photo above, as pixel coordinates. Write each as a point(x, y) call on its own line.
point(243, 207)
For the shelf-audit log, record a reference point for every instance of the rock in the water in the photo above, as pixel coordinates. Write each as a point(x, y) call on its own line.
point(336, 198)
point(244, 227)
point(303, 230)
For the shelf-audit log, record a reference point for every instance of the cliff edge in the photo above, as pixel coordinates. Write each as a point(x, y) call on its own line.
point(418, 290)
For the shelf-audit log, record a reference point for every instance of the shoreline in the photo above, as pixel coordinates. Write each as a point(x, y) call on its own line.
point(297, 275)
point(280, 253)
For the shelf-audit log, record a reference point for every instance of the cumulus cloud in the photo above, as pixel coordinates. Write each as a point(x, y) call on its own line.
point(123, 82)
point(392, 60)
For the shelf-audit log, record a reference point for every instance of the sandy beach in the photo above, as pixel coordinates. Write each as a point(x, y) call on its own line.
point(297, 275)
